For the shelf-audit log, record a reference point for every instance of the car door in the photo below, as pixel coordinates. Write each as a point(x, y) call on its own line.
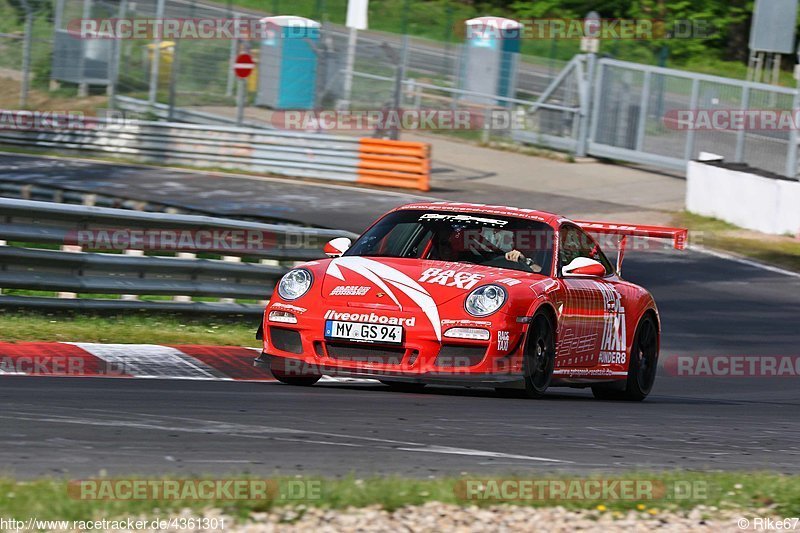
point(587, 303)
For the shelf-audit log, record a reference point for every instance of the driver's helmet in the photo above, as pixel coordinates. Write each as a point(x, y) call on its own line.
point(498, 238)
point(449, 243)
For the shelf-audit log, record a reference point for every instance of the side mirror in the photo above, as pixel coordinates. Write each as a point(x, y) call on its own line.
point(583, 266)
point(337, 247)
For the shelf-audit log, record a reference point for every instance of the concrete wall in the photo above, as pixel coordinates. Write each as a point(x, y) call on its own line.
point(754, 202)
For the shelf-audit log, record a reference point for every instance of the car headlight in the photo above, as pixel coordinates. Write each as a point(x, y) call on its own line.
point(485, 300)
point(295, 284)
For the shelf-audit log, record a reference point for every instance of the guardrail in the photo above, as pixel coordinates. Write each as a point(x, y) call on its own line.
point(240, 260)
point(176, 114)
point(296, 154)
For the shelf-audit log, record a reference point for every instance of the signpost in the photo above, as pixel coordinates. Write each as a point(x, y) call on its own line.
point(357, 14)
point(242, 67)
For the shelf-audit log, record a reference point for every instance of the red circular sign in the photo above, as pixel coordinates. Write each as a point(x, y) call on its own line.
point(244, 65)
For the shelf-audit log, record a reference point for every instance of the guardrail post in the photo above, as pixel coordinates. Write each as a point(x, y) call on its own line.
point(230, 259)
point(270, 262)
point(181, 298)
point(3, 243)
point(131, 297)
point(71, 249)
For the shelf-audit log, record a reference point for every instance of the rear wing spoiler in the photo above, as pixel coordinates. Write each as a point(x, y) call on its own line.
point(678, 236)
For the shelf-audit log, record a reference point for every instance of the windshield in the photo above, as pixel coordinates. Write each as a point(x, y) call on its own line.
point(503, 242)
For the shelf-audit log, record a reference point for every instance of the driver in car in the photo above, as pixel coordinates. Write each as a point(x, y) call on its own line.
point(503, 241)
point(449, 246)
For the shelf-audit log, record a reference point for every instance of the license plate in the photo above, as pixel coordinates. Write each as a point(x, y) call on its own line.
point(358, 332)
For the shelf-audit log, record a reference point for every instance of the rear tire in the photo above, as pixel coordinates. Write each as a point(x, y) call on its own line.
point(298, 379)
point(402, 386)
point(540, 356)
point(641, 369)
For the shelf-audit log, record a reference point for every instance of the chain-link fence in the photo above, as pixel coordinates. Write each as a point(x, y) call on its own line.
point(198, 73)
point(666, 117)
point(620, 110)
point(26, 33)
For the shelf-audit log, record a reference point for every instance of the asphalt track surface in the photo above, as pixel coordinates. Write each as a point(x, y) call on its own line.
point(709, 306)
point(293, 201)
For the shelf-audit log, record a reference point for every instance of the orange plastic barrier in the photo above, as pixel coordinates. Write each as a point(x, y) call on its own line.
point(394, 164)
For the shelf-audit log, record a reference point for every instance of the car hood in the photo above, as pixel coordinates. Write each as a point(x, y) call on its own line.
point(402, 284)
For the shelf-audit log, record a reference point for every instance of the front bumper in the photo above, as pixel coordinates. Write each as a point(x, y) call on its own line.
point(425, 355)
point(506, 379)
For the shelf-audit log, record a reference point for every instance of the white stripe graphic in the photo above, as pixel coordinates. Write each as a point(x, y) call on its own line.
point(378, 273)
point(150, 361)
point(578, 373)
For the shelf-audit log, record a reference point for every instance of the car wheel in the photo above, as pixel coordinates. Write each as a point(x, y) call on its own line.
point(641, 369)
point(539, 358)
point(292, 378)
point(404, 386)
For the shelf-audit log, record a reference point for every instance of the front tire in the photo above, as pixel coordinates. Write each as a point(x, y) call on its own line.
point(641, 369)
point(540, 356)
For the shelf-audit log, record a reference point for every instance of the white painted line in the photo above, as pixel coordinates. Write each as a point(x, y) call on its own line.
point(479, 453)
point(743, 261)
point(199, 425)
point(331, 379)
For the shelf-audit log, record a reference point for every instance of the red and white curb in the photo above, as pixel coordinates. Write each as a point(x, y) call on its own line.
point(81, 359)
point(143, 361)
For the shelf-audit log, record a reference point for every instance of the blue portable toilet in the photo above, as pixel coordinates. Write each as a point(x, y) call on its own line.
point(491, 51)
point(287, 66)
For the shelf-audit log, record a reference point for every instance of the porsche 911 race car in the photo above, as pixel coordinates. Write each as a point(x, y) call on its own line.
point(470, 294)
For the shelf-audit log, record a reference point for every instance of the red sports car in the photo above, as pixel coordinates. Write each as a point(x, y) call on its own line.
point(469, 294)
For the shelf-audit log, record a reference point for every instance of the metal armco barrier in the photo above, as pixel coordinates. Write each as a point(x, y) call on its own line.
point(305, 155)
point(255, 257)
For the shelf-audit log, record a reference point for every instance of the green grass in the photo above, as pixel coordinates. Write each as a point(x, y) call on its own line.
point(783, 251)
point(130, 327)
point(50, 499)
